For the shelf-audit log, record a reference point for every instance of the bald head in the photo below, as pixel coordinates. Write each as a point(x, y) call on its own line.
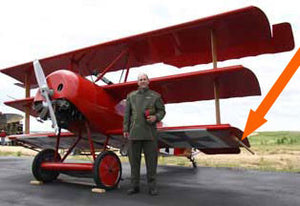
point(142, 75)
point(143, 80)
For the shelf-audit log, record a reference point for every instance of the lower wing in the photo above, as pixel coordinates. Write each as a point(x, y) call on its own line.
point(210, 139)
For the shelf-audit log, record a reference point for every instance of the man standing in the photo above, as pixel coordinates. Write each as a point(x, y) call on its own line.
point(2, 135)
point(144, 108)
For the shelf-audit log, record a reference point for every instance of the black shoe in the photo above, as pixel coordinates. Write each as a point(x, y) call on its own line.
point(153, 192)
point(133, 190)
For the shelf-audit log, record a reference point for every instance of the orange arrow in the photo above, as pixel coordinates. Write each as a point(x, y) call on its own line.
point(256, 119)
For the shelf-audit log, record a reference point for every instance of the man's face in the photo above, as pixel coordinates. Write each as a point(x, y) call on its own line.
point(143, 81)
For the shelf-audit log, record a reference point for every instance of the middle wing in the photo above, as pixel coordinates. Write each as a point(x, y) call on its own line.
point(234, 81)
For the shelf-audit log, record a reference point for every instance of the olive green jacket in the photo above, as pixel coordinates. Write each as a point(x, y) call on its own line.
point(135, 122)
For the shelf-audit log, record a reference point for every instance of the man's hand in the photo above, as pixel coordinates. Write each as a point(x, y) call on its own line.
point(151, 118)
point(126, 135)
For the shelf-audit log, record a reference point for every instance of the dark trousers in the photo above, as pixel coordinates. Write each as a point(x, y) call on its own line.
point(149, 147)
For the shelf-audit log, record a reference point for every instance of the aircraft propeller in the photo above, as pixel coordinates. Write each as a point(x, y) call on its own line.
point(46, 93)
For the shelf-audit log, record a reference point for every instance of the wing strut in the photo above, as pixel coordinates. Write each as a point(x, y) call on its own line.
point(27, 110)
point(111, 64)
point(216, 84)
point(127, 67)
point(89, 135)
point(127, 72)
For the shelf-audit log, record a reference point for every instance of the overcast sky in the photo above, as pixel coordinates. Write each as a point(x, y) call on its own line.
point(35, 29)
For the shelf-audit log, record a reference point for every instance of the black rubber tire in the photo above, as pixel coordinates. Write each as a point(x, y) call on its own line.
point(38, 172)
point(116, 175)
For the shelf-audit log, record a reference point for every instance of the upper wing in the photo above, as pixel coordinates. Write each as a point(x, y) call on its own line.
point(234, 81)
point(239, 33)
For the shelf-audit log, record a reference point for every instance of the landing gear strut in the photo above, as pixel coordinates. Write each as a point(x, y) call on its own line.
point(193, 161)
point(106, 169)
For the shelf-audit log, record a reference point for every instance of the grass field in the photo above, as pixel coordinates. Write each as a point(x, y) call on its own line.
point(274, 151)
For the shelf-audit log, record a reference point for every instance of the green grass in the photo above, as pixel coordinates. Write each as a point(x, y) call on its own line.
point(276, 138)
point(16, 154)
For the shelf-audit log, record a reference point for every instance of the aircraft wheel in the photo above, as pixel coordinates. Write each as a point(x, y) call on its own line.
point(107, 170)
point(46, 155)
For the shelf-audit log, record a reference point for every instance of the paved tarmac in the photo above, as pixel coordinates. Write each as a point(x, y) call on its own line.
point(177, 186)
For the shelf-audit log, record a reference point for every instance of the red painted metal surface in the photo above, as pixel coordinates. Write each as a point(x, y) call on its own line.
point(56, 166)
point(51, 135)
point(111, 65)
point(72, 147)
point(91, 100)
point(234, 81)
point(92, 149)
point(109, 170)
point(239, 33)
point(204, 127)
point(22, 104)
point(57, 145)
point(106, 143)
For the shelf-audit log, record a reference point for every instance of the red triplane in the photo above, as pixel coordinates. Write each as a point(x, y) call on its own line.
point(93, 114)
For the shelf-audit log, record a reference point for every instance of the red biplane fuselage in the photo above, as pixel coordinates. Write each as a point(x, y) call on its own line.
point(97, 107)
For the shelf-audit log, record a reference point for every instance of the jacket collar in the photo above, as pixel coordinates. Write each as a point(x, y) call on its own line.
point(143, 90)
